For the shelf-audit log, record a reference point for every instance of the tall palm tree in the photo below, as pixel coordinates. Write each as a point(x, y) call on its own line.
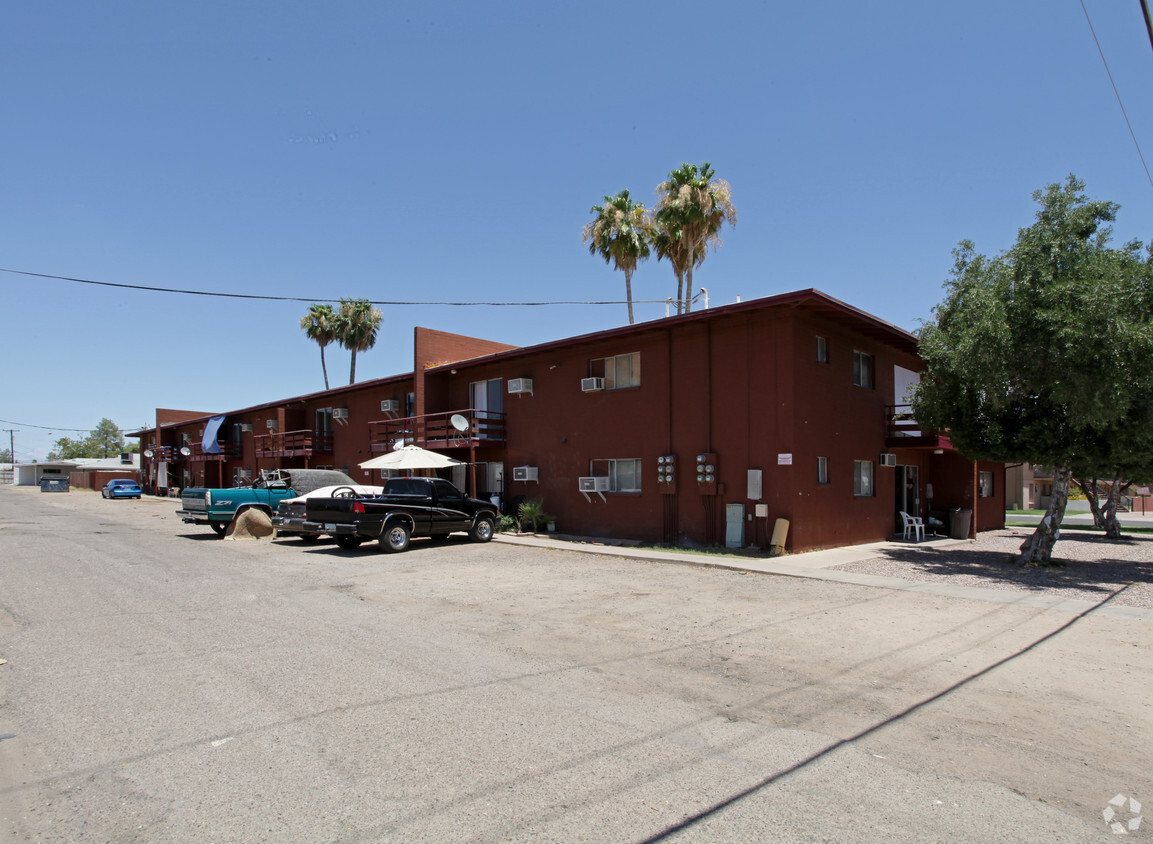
point(320, 325)
point(691, 208)
point(622, 234)
point(358, 323)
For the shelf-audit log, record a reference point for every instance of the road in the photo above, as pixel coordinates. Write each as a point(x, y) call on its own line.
point(162, 684)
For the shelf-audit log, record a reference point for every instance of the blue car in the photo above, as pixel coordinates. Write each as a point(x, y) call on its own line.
point(121, 489)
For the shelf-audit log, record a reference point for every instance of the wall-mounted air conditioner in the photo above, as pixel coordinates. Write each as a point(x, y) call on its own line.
point(517, 386)
point(888, 460)
point(245, 428)
point(390, 405)
point(340, 413)
point(524, 473)
point(270, 424)
point(593, 484)
point(591, 385)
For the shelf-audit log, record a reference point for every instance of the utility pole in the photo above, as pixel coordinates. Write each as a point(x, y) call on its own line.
point(11, 442)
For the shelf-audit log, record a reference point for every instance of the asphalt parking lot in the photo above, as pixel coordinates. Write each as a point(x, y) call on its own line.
point(165, 685)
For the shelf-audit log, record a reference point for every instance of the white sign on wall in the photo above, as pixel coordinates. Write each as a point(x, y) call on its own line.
point(784, 460)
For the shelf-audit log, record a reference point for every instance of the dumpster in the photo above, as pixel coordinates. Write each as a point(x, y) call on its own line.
point(54, 484)
point(959, 523)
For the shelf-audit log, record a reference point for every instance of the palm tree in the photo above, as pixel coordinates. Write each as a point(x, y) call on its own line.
point(320, 325)
point(691, 207)
point(622, 234)
point(358, 323)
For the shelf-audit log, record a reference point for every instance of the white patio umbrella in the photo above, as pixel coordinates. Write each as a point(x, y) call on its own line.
point(410, 457)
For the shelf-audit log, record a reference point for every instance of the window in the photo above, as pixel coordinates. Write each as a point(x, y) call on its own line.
point(822, 470)
point(863, 478)
point(324, 420)
point(619, 372)
point(486, 396)
point(863, 370)
point(623, 475)
point(984, 484)
point(822, 350)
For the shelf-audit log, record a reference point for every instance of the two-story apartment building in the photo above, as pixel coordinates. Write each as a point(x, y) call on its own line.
point(703, 428)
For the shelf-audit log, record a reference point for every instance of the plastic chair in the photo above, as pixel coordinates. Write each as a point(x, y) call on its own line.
point(913, 525)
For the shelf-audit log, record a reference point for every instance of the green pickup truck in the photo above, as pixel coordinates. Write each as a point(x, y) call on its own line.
point(217, 508)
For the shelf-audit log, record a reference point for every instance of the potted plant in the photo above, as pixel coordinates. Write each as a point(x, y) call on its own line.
point(531, 512)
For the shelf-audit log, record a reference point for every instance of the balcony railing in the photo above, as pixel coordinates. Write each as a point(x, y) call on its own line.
point(904, 432)
point(227, 450)
point(437, 431)
point(293, 444)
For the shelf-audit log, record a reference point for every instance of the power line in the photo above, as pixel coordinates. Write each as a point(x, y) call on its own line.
point(318, 299)
point(46, 427)
point(1117, 93)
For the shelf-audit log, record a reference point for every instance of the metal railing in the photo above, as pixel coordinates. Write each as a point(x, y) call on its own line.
point(436, 430)
point(292, 444)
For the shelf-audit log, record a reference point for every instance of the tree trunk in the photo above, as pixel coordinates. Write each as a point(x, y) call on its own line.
point(324, 367)
point(680, 292)
point(1037, 550)
point(1112, 526)
point(689, 289)
point(629, 294)
point(1090, 489)
point(352, 371)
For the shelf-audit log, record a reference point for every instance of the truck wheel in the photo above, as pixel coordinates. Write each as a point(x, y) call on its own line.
point(218, 527)
point(349, 542)
point(482, 529)
point(395, 538)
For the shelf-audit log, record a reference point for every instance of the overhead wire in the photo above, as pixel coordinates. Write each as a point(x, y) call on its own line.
point(317, 299)
point(1117, 93)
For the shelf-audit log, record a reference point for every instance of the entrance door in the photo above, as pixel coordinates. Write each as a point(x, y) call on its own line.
point(908, 483)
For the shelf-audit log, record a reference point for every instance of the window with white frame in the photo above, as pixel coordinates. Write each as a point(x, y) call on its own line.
point(619, 371)
point(863, 478)
point(624, 474)
point(323, 421)
point(984, 484)
point(863, 370)
point(822, 470)
point(822, 350)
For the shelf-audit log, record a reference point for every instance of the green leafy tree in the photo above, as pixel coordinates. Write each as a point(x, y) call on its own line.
point(105, 440)
point(1044, 354)
point(358, 323)
point(691, 207)
point(5, 455)
point(621, 233)
point(67, 448)
point(320, 325)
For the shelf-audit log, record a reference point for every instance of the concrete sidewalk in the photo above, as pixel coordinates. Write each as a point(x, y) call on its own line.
point(819, 565)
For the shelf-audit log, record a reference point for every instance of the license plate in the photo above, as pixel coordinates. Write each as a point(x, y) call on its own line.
point(329, 528)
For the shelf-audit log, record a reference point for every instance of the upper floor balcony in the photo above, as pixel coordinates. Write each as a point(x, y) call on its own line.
point(304, 443)
point(903, 432)
point(451, 429)
point(198, 454)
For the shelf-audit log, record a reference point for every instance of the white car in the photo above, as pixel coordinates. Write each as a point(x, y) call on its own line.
point(290, 514)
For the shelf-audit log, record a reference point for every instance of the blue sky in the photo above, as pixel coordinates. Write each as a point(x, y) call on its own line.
point(450, 151)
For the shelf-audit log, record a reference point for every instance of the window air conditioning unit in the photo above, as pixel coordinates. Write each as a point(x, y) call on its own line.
point(591, 385)
point(517, 386)
point(340, 413)
point(245, 428)
point(125, 458)
point(270, 424)
point(596, 483)
point(524, 473)
point(888, 460)
point(390, 405)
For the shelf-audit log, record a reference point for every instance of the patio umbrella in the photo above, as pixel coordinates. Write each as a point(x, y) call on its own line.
point(410, 457)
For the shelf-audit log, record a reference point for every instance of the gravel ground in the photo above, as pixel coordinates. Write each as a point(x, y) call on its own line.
point(1089, 567)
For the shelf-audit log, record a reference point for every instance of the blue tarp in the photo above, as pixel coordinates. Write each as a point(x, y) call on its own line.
point(210, 445)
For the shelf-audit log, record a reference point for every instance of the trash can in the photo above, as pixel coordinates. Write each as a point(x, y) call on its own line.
point(959, 523)
point(54, 484)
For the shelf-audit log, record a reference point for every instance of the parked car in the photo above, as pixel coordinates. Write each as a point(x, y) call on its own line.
point(291, 517)
point(408, 507)
point(218, 507)
point(121, 488)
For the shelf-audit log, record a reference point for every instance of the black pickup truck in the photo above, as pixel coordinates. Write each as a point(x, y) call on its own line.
point(408, 507)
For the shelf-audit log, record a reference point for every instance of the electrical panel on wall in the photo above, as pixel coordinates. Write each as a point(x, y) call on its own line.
point(667, 474)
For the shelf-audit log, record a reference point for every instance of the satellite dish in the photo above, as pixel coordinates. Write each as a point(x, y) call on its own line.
point(459, 422)
point(186, 451)
point(148, 453)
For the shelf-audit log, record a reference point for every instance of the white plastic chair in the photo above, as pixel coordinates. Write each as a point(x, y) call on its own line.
point(913, 525)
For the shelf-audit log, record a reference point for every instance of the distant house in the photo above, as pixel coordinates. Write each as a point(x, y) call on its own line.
point(697, 429)
point(82, 472)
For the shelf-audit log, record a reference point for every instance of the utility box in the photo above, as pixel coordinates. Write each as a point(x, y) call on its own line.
point(734, 525)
